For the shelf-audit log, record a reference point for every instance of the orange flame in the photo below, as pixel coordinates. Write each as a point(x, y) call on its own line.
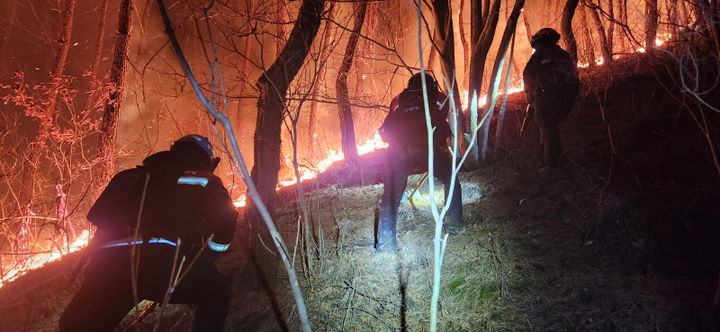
point(333, 156)
point(39, 260)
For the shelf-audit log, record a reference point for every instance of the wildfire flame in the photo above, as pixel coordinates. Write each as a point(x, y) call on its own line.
point(482, 101)
point(39, 260)
point(660, 40)
point(333, 156)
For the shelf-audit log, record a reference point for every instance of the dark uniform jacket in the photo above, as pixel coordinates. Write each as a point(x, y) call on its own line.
point(179, 203)
point(550, 76)
point(405, 124)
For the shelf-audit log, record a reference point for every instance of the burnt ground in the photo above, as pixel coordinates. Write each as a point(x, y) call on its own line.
point(624, 237)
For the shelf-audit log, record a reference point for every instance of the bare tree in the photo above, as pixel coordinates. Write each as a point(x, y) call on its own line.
point(483, 22)
point(442, 10)
point(566, 27)
point(465, 44)
point(347, 129)
point(273, 85)
point(589, 43)
point(605, 40)
point(281, 17)
point(28, 178)
point(99, 45)
point(111, 114)
point(494, 84)
point(651, 22)
point(324, 53)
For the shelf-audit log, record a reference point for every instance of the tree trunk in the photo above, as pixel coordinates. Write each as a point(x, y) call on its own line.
point(624, 40)
point(323, 58)
point(651, 23)
point(108, 126)
point(567, 30)
point(247, 50)
point(605, 47)
point(433, 51)
point(347, 130)
point(465, 45)
point(99, 43)
point(611, 29)
point(273, 85)
point(496, 72)
point(589, 48)
point(281, 19)
point(442, 10)
point(246, 55)
point(482, 33)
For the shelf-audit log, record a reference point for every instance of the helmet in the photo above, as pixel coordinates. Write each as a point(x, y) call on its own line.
point(415, 81)
point(545, 36)
point(201, 142)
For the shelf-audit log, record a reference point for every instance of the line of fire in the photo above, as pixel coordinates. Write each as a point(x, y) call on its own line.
point(329, 165)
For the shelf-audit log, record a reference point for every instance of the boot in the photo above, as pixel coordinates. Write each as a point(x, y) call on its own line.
point(386, 237)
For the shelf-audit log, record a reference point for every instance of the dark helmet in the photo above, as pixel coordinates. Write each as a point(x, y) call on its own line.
point(546, 36)
point(415, 82)
point(198, 143)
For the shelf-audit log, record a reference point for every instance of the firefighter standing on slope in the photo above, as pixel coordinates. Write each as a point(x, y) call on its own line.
point(405, 131)
point(551, 84)
point(186, 209)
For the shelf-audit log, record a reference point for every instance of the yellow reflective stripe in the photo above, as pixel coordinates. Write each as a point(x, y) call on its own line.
point(218, 247)
point(193, 180)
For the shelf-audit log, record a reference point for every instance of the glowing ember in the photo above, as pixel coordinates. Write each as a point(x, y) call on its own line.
point(39, 260)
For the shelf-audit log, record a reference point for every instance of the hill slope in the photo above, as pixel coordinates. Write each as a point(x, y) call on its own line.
point(622, 238)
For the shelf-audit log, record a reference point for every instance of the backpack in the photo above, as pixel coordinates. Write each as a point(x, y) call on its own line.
point(552, 74)
point(115, 212)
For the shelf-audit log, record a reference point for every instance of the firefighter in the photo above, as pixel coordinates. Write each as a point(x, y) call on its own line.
point(169, 214)
point(551, 84)
point(405, 131)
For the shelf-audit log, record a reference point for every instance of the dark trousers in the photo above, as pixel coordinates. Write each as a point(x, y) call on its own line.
point(551, 144)
point(548, 114)
point(399, 162)
point(106, 294)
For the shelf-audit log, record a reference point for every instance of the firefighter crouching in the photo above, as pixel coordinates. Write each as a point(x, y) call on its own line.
point(551, 84)
point(405, 131)
point(180, 206)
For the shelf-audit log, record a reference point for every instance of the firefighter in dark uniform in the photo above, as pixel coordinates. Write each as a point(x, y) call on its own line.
point(182, 211)
point(551, 84)
point(405, 131)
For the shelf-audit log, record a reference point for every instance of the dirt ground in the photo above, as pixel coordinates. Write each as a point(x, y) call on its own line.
point(622, 238)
